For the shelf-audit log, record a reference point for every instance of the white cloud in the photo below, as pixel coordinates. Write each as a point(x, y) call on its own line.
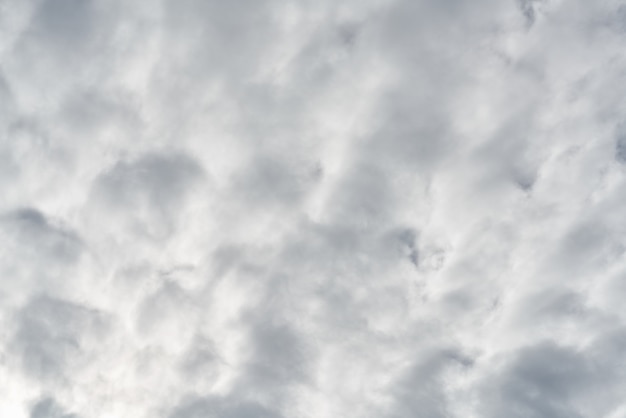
point(312, 209)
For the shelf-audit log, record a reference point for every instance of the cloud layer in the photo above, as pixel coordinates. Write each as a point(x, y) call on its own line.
point(379, 208)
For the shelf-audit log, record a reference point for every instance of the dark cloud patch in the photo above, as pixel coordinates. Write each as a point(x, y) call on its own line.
point(330, 53)
point(586, 247)
point(525, 180)
point(348, 33)
point(7, 101)
point(203, 33)
point(400, 32)
point(201, 361)
point(327, 251)
point(279, 360)
point(540, 382)
point(41, 239)
point(408, 243)
point(209, 407)
point(527, 7)
point(620, 143)
point(552, 312)
point(606, 352)
point(93, 112)
point(9, 170)
point(53, 336)
point(551, 380)
point(60, 33)
point(422, 391)
point(555, 304)
point(161, 179)
point(275, 181)
point(509, 156)
point(364, 198)
point(168, 310)
point(618, 19)
point(49, 408)
point(65, 23)
point(315, 242)
point(147, 193)
point(411, 133)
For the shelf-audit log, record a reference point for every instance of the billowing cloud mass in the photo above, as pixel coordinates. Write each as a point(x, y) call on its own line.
point(312, 209)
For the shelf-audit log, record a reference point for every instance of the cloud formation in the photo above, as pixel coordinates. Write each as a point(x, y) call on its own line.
point(379, 208)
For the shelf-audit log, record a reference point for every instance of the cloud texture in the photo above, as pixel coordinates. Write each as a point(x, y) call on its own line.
point(312, 209)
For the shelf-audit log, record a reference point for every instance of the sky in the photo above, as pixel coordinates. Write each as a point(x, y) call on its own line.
point(312, 209)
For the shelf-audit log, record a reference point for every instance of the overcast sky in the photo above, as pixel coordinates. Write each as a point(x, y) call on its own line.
point(312, 209)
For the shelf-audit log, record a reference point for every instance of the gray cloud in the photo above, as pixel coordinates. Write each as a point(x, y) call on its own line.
point(148, 193)
point(312, 209)
point(620, 145)
point(48, 408)
point(216, 407)
point(54, 336)
point(552, 380)
point(33, 231)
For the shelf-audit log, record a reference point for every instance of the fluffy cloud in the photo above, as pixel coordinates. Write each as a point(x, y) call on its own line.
point(379, 208)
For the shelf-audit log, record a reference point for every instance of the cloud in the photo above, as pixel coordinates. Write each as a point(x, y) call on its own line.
point(207, 407)
point(53, 336)
point(48, 408)
point(314, 209)
point(148, 193)
point(551, 380)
